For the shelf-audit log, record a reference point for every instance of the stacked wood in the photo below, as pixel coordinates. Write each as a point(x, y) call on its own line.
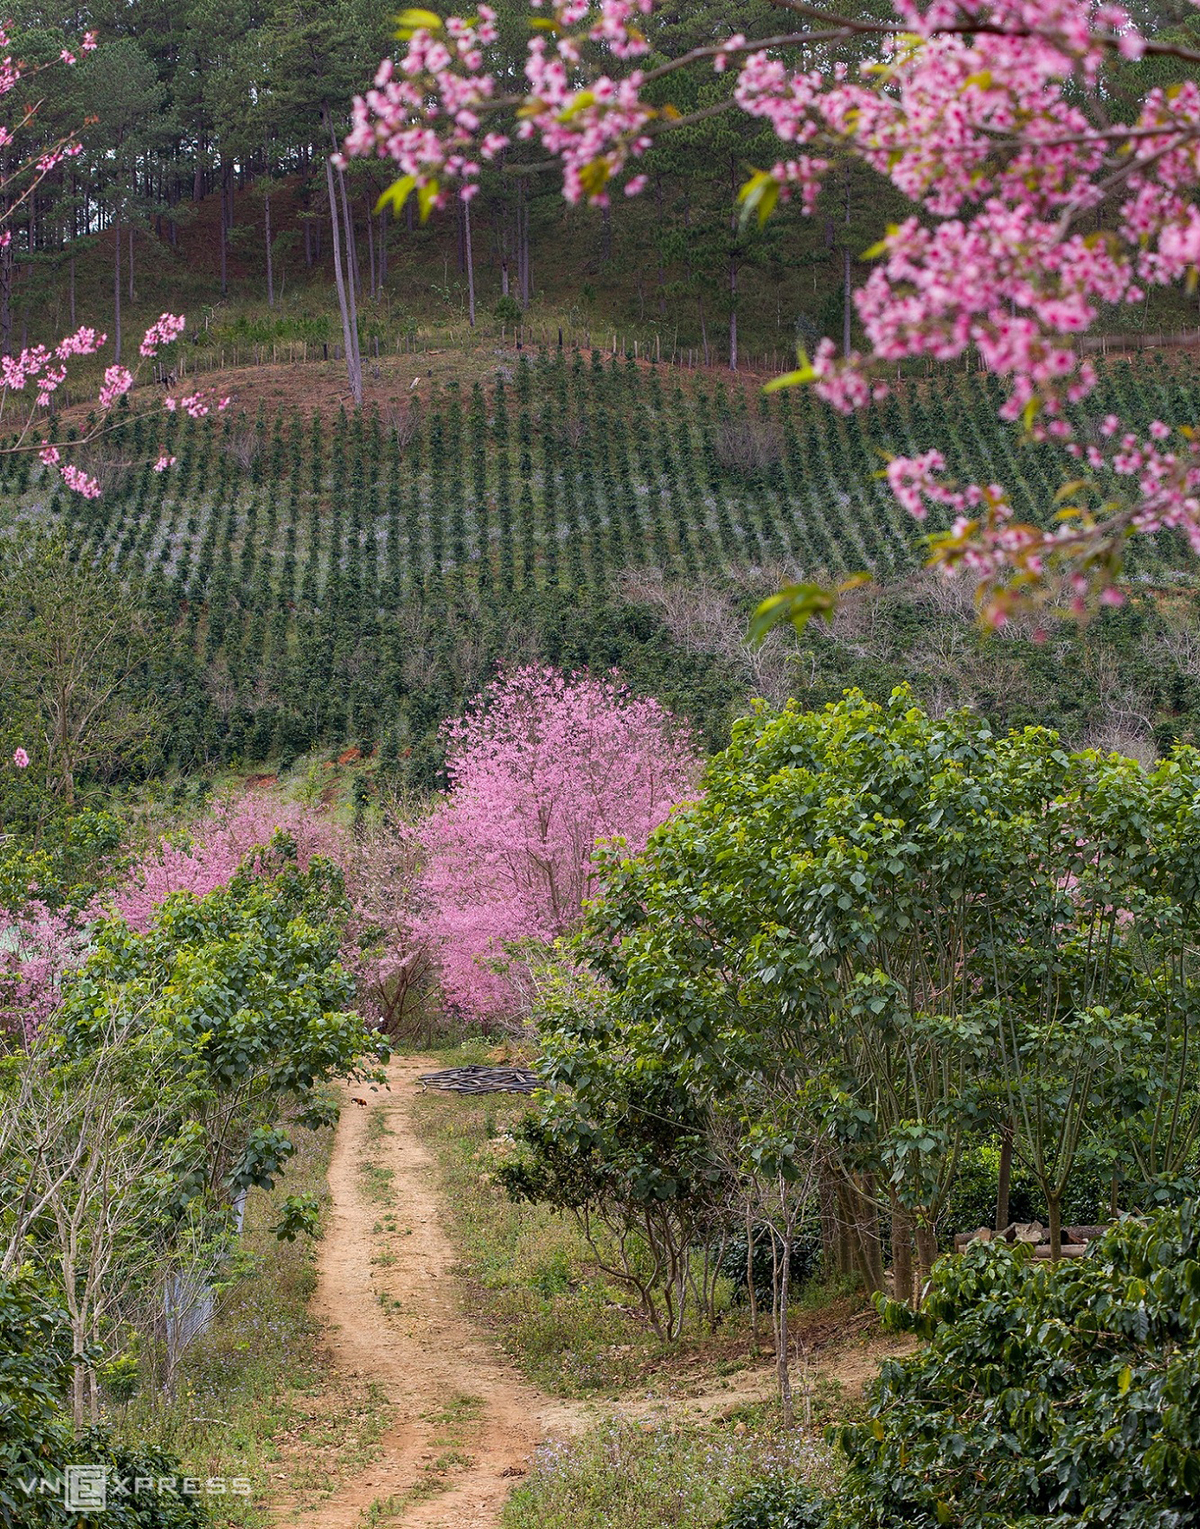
point(1075, 1239)
point(476, 1079)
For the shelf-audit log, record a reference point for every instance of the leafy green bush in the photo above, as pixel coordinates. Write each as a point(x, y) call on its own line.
point(1065, 1394)
point(778, 1503)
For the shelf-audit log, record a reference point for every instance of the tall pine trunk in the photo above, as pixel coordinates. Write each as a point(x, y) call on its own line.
point(902, 1252)
point(224, 237)
point(733, 272)
point(339, 276)
point(1004, 1178)
point(267, 241)
point(846, 308)
point(470, 264)
point(117, 291)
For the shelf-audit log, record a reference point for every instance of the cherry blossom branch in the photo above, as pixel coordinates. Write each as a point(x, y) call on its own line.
point(972, 111)
point(41, 371)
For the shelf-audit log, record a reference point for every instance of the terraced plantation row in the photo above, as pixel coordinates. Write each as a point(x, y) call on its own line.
point(355, 578)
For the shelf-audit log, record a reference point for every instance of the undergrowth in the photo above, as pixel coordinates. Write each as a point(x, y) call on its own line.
point(636, 1476)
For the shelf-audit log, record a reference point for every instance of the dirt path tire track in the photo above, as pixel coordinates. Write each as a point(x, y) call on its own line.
point(424, 1352)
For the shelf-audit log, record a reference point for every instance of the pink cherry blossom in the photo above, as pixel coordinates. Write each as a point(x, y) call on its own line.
point(542, 767)
point(162, 332)
point(21, 759)
point(38, 947)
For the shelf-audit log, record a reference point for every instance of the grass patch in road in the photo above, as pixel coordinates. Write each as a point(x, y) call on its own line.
point(671, 1476)
point(532, 1274)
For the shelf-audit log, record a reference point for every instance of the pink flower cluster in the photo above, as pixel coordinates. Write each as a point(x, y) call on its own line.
point(197, 405)
point(543, 766)
point(162, 332)
point(210, 857)
point(37, 948)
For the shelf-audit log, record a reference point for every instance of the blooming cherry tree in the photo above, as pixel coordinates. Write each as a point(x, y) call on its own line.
point(1031, 211)
point(543, 766)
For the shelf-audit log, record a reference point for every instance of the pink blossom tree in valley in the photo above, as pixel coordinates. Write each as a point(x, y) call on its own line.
point(543, 766)
point(38, 946)
point(210, 856)
point(1034, 207)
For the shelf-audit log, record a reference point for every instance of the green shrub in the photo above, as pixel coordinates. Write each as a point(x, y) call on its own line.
point(1065, 1394)
point(778, 1503)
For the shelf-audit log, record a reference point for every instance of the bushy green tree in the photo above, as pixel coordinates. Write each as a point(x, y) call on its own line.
point(247, 986)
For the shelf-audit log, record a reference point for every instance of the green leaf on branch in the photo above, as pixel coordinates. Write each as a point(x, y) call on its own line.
point(408, 22)
point(397, 194)
point(759, 196)
point(426, 197)
point(799, 603)
point(594, 176)
point(804, 373)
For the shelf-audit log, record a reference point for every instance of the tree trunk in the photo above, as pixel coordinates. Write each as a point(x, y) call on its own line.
point(927, 1250)
point(267, 241)
point(902, 1252)
point(1004, 1179)
point(1054, 1206)
point(72, 290)
point(224, 242)
point(352, 289)
point(7, 270)
point(522, 250)
point(660, 273)
point(750, 1290)
point(733, 272)
point(382, 249)
point(117, 293)
point(308, 250)
point(339, 277)
point(782, 1336)
point(846, 309)
point(131, 296)
point(470, 264)
point(528, 259)
point(370, 252)
point(866, 1232)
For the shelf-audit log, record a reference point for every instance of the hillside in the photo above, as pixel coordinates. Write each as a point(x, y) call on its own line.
point(349, 580)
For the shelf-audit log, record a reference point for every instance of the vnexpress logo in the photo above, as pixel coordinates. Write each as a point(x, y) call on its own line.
point(88, 1489)
point(85, 1488)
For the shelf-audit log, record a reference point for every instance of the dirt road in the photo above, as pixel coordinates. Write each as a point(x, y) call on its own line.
point(461, 1424)
point(464, 1424)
